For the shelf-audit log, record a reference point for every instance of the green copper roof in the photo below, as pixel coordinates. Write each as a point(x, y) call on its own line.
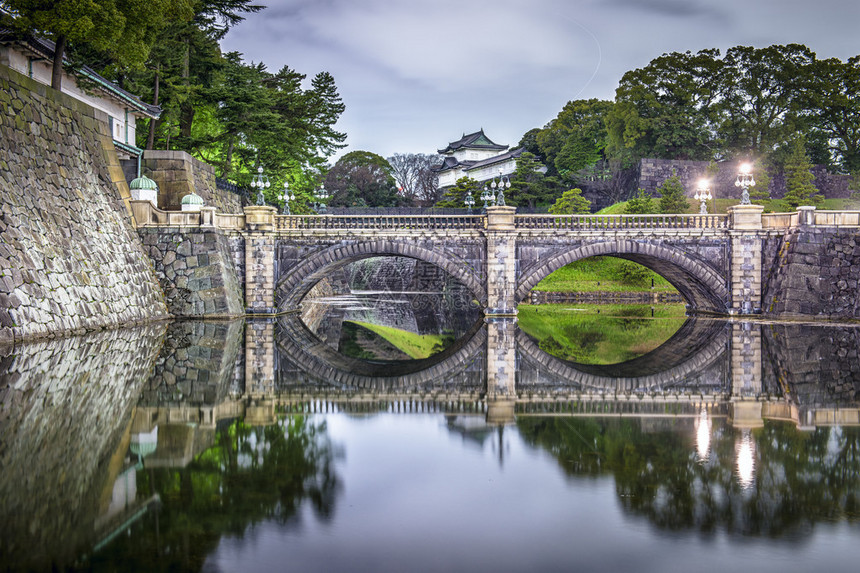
point(192, 199)
point(143, 182)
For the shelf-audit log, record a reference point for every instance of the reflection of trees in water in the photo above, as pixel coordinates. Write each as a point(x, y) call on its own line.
point(251, 474)
point(800, 479)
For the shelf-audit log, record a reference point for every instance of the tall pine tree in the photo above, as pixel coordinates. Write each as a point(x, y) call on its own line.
point(799, 186)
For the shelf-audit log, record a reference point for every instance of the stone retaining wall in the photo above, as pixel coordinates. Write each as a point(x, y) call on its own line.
point(815, 273)
point(195, 268)
point(653, 172)
point(69, 257)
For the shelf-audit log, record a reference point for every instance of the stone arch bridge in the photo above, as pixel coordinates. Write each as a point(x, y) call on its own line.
point(713, 260)
point(739, 263)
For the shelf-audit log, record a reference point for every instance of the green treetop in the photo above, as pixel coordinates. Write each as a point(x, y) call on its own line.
point(124, 29)
point(571, 203)
point(672, 197)
point(800, 189)
point(453, 197)
point(641, 204)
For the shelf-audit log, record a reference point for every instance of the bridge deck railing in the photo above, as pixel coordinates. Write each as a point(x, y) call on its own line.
point(379, 222)
point(608, 222)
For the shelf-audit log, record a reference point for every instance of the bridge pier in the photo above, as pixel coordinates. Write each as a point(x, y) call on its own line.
point(501, 369)
point(746, 260)
point(260, 260)
point(259, 358)
point(746, 375)
point(501, 262)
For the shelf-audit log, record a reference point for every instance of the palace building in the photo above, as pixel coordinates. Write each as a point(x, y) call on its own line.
point(476, 156)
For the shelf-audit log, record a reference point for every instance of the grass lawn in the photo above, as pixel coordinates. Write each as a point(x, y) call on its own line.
point(415, 345)
point(602, 274)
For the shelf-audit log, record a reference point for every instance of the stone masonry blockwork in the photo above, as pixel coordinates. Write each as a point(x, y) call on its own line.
point(195, 268)
point(70, 259)
point(815, 272)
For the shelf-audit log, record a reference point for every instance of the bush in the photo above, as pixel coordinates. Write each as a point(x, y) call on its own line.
point(633, 274)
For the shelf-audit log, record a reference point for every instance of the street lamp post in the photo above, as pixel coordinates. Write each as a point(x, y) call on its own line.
point(260, 182)
point(745, 180)
point(320, 195)
point(286, 197)
point(469, 201)
point(503, 182)
point(703, 194)
point(487, 197)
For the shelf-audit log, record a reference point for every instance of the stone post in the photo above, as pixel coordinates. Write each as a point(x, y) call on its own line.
point(806, 215)
point(746, 375)
point(501, 262)
point(207, 216)
point(501, 369)
point(260, 260)
point(746, 236)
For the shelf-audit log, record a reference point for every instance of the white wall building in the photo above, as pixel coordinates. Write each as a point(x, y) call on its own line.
point(33, 57)
point(475, 156)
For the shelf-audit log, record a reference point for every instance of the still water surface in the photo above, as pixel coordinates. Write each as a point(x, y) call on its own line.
point(258, 446)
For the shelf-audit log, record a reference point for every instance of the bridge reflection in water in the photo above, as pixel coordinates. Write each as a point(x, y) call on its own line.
point(85, 402)
point(748, 371)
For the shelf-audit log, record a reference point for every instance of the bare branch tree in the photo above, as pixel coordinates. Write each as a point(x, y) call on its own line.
point(417, 184)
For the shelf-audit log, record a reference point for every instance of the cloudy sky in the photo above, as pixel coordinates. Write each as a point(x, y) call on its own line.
point(416, 74)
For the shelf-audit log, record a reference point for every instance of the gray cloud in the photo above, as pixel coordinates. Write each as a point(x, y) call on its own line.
point(415, 74)
point(674, 8)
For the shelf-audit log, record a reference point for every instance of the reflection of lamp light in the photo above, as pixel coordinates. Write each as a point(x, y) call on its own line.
point(746, 460)
point(703, 435)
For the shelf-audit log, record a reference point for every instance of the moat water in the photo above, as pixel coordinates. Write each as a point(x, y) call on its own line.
point(576, 438)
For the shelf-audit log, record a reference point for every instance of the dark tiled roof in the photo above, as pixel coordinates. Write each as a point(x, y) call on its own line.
point(475, 140)
point(451, 163)
point(45, 48)
point(497, 159)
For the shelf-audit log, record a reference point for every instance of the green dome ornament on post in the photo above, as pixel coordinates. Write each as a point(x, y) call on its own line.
point(192, 202)
point(144, 189)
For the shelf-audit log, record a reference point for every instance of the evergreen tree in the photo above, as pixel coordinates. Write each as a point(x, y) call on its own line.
point(799, 178)
point(641, 204)
point(570, 203)
point(672, 197)
point(122, 29)
point(362, 179)
point(453, 197)
point(529, 186)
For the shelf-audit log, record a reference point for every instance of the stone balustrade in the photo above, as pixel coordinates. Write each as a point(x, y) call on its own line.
point(381, 222)
point(613, 222)
point(147, 215)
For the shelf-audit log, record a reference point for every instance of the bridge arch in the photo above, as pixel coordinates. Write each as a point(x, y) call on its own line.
point(457, 368)
point(675, 364)
point(292, 287)
point(700, 284)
